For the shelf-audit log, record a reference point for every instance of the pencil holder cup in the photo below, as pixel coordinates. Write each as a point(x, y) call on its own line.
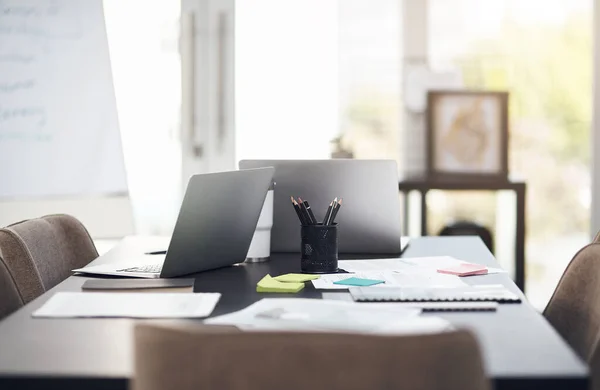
point(319, 249)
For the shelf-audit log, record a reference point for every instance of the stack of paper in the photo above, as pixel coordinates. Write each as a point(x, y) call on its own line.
point(318, 315)
point(418, 272)
point(132, 305)
point(432, 263)
point(391, 278)
point(270, 285)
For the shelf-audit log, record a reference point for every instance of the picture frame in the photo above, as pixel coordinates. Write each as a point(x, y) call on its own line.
point(467, 135)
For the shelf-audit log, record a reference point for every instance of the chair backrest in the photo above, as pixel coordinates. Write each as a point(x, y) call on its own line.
point(37, 254)
point(187, 358)
point(574, 309)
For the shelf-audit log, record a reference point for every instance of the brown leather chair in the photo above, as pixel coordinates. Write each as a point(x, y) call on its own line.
point(37, 254)
point(212, 357)
point(574, 309)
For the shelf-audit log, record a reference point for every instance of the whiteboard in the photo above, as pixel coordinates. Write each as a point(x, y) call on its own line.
point(59, 133)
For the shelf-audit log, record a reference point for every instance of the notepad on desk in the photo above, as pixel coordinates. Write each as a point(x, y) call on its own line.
point(354, 281)
point(481, 293)
point(425, 307)
point(271, 285)
point(436, 307)
point(295, 278)
point(464, 269)
point(140, 285)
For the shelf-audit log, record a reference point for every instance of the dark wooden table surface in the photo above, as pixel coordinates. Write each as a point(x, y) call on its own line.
point(520, 348)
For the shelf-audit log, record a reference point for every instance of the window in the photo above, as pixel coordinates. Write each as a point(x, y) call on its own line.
point(286, 78)
point(370, 47)
point(311, 72)
point(541, 52)
point(146, 72)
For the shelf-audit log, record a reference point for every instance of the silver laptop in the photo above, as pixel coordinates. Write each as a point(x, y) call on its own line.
point(369, 219)
point(216, 223)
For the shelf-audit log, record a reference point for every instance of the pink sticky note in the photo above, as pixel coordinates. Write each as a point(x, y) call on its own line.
point(465, 269)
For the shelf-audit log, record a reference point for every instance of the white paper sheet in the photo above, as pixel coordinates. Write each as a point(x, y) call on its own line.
point(298, 314)
point(406, 278)
point(132, 305)
point(405, 263)
point(370, 265)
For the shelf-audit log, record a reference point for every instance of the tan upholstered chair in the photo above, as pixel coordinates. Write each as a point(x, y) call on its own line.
point(37, 254)
point(207, 358)
point(574, 309)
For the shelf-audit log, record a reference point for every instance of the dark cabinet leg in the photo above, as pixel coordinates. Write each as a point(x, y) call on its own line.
point(405, 213)
point(520, 240)
point(423, 212)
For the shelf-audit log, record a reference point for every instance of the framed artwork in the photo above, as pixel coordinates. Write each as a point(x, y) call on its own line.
point(467, 135)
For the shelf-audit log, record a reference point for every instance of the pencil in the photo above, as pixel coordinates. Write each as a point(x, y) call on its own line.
point(297, 208)
point(335, 211)
point(304, 212)
point(328, 213)
point(313, 219)
point(328, 221)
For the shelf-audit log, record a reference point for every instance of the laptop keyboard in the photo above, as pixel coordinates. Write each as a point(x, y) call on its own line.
point(148, 269)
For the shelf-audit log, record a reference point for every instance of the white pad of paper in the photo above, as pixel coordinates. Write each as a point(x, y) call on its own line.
point(424, 306)
point(297, 314)
point(406, 263)
point(391, 278)
point(131, 305)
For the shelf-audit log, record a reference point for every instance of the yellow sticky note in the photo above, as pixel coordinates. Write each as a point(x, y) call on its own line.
point(268, 284)
point(295, 278)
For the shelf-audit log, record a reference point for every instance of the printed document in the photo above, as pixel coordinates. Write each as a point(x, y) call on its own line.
point(404, 278)
point(132, 305)
point(405, 263)
point(297, 314)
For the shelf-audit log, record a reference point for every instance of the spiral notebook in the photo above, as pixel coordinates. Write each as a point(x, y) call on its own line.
point(481, 293)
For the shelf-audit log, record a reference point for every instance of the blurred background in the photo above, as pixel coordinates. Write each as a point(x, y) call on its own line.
point(347, 78)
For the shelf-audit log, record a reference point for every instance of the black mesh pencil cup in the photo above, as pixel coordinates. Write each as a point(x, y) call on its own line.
point(319, 248)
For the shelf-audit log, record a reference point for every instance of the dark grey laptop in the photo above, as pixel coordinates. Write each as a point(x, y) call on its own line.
point(369, 220)
point(216, 223)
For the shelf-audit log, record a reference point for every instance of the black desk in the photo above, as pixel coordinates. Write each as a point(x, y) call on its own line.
point(520, 348)
point(424, 185)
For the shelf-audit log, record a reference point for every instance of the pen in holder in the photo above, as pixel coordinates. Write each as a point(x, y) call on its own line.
point(319, 248)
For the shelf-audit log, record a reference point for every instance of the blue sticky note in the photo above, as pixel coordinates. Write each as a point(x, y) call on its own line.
point(359, 282)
